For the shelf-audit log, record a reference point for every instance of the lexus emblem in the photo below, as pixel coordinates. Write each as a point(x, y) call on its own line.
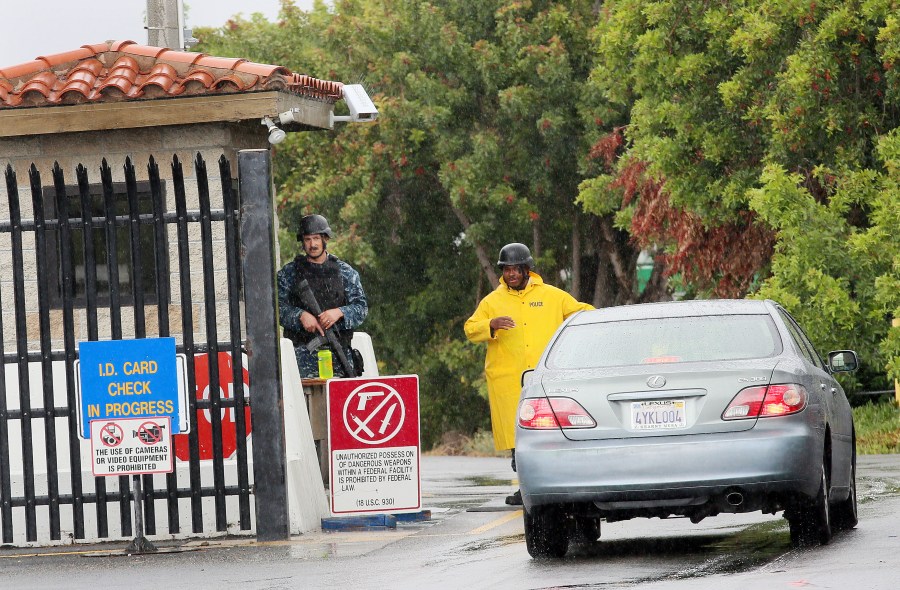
point(656, 381)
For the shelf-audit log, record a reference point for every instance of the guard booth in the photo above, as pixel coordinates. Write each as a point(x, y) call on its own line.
point(317, 407)
point(317, 404)
point(138, 203)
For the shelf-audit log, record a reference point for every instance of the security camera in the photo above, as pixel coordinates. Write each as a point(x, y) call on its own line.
point(362, 109)
point(276, 135)
point(361, 106)
point(289, 116)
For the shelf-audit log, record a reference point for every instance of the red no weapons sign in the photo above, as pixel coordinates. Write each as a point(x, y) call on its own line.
point(373, 434)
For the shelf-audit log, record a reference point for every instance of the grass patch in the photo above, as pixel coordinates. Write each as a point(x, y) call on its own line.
point(877, 428)
point(480, 444)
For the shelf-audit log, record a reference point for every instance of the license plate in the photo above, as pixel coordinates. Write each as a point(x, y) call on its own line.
point(658, 414)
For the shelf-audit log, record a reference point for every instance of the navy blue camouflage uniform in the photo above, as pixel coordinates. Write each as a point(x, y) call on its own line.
point(354, 306)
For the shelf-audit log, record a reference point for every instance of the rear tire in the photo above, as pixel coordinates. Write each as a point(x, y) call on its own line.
point(546, 533)
point(810, 522)
point(845, 516)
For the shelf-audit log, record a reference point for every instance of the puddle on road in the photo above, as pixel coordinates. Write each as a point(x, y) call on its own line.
point(461, 504)
point(719, 554)
point(484, 481)
point(872, 488)
point(729, 553)
point(492, 543)
point(749, 548)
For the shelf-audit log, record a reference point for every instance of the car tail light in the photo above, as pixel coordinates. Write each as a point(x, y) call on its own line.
point(541, 413)
point(784, 399)
point(766, 401)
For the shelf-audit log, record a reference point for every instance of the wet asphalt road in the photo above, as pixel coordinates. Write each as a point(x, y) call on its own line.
point(474, 541)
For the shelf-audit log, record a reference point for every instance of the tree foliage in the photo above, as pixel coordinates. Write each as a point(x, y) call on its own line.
point(759, 154)
point(477, 144)
point(749, 145)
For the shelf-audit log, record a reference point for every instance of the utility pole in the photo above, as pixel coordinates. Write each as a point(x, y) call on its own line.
point(164, 24)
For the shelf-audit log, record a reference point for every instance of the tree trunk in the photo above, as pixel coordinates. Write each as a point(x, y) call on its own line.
point(619, 264)
point(657, 288)
point(604, 295)
point(604, 285)
point(576, 257)
point(484, 260)
point(478, 293)
point(549, 271)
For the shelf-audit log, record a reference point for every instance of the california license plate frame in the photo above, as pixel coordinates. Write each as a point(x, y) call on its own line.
point(665, 414)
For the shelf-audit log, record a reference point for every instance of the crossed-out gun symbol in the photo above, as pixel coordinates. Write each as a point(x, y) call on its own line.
point(361, 406)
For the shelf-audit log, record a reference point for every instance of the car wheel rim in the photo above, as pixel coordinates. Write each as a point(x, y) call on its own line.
point(824, 510)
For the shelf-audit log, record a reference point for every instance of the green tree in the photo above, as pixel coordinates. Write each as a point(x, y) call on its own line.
point(685, 160)
point(758, 143)
point(477, 144)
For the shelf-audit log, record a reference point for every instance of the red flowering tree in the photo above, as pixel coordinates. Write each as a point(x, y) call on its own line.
point(754, 153)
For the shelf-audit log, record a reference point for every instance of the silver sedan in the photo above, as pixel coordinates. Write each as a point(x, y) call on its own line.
point(689, 408)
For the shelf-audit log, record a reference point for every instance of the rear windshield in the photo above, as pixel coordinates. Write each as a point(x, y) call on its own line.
point(665, 340)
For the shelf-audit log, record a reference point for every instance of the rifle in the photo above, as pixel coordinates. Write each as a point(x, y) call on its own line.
point(331, 337)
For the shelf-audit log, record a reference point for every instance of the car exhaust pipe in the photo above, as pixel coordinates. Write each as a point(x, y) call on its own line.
point(734, 498)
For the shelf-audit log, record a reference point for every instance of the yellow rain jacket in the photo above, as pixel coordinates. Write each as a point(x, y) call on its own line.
point(538, 310)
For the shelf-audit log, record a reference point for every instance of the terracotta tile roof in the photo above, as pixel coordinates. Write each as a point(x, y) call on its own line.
point(123, 70)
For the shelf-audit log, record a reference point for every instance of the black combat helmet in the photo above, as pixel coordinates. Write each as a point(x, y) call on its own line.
point(313, 224)
point(515, 254)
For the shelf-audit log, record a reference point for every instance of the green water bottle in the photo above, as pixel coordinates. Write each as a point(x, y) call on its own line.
point(326, 369)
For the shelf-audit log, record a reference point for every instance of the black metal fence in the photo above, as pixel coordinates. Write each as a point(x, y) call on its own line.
point(97, 262)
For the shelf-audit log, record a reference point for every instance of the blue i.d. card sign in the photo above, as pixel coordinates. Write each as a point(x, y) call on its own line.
point(127, 379)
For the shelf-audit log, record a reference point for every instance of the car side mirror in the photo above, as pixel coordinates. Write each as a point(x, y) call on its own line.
point(843, 361)
point(526, 377)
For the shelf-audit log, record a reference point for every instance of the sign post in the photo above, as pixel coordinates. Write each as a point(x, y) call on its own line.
point(133, 446)
point(373, 437)
point(129, 403)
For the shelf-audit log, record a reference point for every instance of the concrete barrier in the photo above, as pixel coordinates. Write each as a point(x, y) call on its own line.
point(307, 503)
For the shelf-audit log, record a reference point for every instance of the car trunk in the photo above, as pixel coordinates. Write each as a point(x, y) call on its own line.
point(691, 401)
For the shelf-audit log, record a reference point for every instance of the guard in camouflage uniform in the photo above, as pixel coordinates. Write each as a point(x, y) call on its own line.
point(337, 289)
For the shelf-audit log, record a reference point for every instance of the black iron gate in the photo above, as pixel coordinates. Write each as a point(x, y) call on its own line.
point(93, 263)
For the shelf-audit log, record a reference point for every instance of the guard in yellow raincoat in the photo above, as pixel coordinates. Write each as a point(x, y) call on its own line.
point(516, 320)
